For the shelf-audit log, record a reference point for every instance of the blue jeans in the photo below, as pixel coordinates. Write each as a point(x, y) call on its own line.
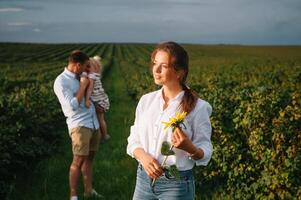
point(165, 187)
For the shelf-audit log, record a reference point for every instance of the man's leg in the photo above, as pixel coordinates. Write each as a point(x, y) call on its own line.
point(87, 166)
point(74, 173)
point(87, 172)
point(81, 137)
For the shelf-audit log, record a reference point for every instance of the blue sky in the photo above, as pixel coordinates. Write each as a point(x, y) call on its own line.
point(185, 21)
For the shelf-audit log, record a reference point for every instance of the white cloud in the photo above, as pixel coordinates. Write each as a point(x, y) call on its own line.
point(36, 30)
point(11, 9)
point(18, 24)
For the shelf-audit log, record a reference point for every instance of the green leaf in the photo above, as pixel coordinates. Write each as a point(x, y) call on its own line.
point(165, 149)
point(173, 170)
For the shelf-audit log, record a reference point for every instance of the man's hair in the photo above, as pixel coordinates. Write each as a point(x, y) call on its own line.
point(78, 57)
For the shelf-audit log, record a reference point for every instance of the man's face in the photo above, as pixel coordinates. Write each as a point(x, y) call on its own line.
point(81, 67)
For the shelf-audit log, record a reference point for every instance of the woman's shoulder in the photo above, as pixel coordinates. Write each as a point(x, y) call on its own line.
point(202, 106)
point(149, 97)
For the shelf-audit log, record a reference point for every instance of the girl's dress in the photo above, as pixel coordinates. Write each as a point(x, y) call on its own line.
point(98, 95)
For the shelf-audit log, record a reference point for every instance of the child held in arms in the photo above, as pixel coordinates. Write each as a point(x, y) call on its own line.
point(96, 94)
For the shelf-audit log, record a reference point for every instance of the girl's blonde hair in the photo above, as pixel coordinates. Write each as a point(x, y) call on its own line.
point(97, 59)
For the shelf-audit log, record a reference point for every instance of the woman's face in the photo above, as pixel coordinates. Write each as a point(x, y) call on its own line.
point(163, 73)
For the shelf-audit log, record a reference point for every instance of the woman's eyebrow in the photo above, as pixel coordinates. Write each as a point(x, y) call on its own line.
point(161, 63)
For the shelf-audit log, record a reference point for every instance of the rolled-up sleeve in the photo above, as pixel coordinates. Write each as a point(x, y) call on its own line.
point(134, 139)
point(92, 76)
point(202, 133)
point(65, 95)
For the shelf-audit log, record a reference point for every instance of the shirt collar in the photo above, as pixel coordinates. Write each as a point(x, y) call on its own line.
point(69, 73)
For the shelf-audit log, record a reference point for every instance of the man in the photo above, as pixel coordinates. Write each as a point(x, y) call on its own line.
point(82, 122)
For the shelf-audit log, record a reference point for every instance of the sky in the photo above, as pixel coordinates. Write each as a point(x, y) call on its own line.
point(251, 22)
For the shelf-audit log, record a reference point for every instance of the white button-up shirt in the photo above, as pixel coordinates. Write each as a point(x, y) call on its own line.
point(148, 130)
point(65, 87)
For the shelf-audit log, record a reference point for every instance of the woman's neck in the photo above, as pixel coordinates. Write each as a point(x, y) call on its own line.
point(170, 92)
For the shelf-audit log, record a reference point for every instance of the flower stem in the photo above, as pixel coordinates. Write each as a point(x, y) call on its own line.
point(163, 163)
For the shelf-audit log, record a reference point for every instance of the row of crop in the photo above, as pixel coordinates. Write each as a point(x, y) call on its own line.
point(256, 124)
point(135, 69)
point(257, 138)
point(52, 53)
point(40, 53)
point(29, 120)
point(31, 52)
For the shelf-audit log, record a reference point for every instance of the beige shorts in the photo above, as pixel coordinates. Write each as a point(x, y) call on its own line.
point(84, 140)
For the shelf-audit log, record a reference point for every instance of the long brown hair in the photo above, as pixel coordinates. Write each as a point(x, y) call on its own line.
point(178, 59)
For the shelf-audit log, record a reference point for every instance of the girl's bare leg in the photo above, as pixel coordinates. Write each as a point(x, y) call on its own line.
point(102, 123)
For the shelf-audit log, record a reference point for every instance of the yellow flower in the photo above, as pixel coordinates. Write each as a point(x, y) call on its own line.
point(175, 121)
point(166, 124)
point(180, 116)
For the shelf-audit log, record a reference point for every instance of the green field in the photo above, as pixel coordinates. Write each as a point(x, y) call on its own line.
point(254, 92)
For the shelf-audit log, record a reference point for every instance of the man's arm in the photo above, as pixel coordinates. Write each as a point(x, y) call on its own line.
point(66, 97)
point(84, 81)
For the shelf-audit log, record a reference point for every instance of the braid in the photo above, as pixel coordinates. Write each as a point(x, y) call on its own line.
point(189, 100)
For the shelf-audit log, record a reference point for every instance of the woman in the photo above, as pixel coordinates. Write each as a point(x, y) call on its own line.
point(192, 143)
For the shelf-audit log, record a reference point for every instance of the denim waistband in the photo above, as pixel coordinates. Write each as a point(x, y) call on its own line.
point(184, 175)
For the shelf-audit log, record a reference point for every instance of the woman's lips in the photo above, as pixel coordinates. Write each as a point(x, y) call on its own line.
point(157, 77)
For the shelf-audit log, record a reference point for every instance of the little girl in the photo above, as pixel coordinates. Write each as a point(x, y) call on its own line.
point(96, 94)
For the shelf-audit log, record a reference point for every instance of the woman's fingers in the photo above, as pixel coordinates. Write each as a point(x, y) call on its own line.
point(153, 169)
point(153, 173)
point(181, 133)
point(176, 135)
point(156, 169)
point(177, 138)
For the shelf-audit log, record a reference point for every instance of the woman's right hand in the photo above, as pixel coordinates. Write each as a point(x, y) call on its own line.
point(150, 164)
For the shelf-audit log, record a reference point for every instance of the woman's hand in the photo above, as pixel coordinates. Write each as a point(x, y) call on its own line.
point(151, 166)
point(181, 141)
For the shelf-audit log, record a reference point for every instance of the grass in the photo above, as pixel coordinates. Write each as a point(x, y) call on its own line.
point(114, 171)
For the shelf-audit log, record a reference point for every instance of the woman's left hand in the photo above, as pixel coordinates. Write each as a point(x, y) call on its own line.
point(180, 140)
